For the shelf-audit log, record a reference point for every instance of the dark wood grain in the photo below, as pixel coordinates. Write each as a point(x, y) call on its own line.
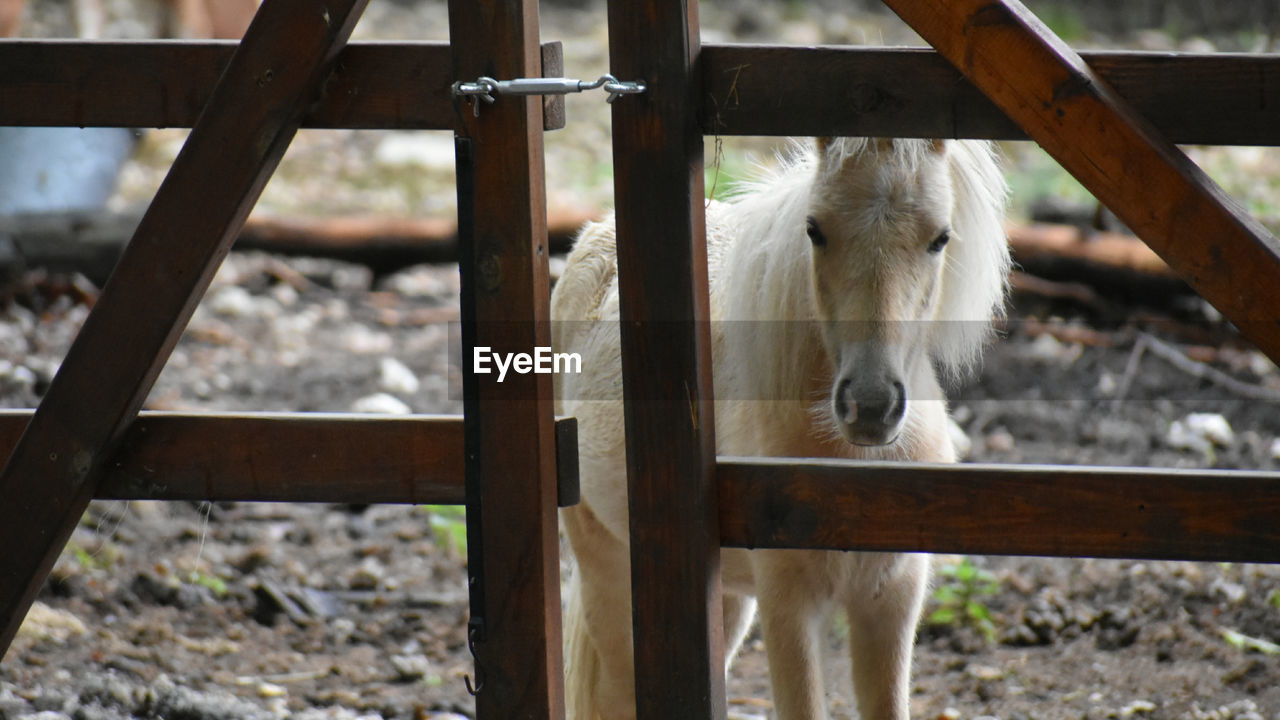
point(502, 235)
point(253, 113)
point(1071, 111)
point(394, 85)
point(293, 457)
point(279, 458)
point(1220, 98)
point(666, 356)
point(748, 89)
point(1063, 511)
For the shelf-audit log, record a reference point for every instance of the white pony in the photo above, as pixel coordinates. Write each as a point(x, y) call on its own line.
point(840, 287)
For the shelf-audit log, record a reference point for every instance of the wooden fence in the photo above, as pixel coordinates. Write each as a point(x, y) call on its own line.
point(1110, 119)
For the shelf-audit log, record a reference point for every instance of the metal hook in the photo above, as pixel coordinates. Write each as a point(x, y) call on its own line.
point(473, 630)
point(485, 88)
point(617, 89)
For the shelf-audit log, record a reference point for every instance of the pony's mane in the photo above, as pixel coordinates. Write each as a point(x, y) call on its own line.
point(975, 279)
point(906, 153)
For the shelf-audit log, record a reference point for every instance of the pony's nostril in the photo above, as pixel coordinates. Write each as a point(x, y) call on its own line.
point(897, 405)
point(846, 404)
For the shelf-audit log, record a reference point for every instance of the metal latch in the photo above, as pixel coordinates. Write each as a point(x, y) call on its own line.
point(485, 88)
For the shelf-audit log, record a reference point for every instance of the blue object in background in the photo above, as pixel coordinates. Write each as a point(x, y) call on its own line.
point(60, 169)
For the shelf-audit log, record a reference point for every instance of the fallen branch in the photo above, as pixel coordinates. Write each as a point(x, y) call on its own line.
point(1071, 334)
point(1194, 368)
point(1021, 282)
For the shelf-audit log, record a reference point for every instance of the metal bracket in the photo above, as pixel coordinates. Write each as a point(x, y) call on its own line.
point(485, 88)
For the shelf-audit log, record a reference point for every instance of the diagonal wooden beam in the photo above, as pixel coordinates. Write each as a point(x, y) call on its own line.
point(1045, 86)
point(252, 115)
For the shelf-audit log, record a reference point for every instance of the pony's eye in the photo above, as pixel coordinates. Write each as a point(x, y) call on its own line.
point(940, 242)
point(815, 233)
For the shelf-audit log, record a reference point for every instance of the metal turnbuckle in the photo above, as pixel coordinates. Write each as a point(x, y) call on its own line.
point(485, 88)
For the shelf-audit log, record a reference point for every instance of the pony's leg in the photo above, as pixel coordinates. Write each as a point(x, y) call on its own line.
point(739, 600)
point(600, 676)
point(789, 623)
point(882, 628)
point(739, 611)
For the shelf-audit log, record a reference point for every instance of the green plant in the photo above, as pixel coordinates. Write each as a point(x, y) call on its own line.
point(82, 556)
point(103, 558)
point(1246, 643)
point(959, 597)
point(449, 526)
point(216, 584)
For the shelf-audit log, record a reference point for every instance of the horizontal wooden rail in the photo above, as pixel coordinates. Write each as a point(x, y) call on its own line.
point(403, 85)
point(1216, 99)
point(289, 457)
point(1152, 513)
point(1220, 99)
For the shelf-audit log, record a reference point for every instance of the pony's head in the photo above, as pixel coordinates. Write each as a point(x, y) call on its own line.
point(908, 266)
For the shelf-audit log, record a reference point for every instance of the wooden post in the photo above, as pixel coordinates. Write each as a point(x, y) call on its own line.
point(666, 362)
point(238, 141)
point(510, 442)
point(1044, 86)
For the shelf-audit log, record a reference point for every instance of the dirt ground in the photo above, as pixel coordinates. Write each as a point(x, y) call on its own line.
point(309, 611)
point(247, 610)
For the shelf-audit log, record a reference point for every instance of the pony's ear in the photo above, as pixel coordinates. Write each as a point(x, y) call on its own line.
point(938, 145)
point(822, 143)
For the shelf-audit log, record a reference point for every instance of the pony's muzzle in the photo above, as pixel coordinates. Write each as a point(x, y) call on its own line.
point(869, 413)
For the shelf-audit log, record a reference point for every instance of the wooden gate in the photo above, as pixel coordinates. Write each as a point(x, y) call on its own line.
point(244, 103)
point(1110, 119)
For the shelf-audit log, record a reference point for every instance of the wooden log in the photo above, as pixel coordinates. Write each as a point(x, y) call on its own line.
point(90, 242)
point(10, 15)
point(1154, 513)
point(1040, 242)
point(666, 363)
point(1216, 99)
point(512, 523)
point(53, 472)
point(1065, 106)
point(401, 85)
point(1121, 267)
point(386, 244)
